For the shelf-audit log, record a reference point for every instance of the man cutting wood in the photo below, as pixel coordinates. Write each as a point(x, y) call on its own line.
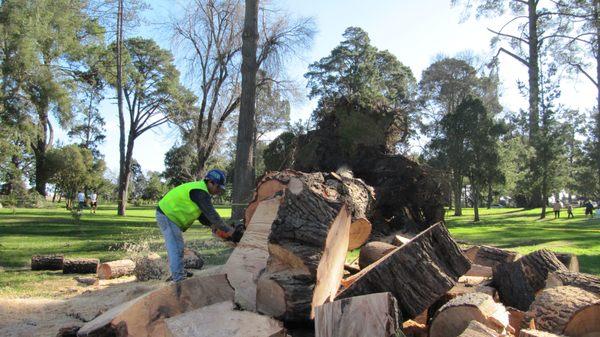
point(181, 206)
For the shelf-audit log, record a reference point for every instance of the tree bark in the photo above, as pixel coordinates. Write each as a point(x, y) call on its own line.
point(586, 282)
point(80, 266)
point(372, 252)
point(457, 189)
point(123, 178)
point(47, 262)
point(475, 202)
point(490, 256)
point(243, 178)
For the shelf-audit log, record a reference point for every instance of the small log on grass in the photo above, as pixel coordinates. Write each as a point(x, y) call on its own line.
point(417, 273)
point(454, 317)
point(586, 282)
point(114, 269)
point(374, 315)
point(222, 320)
point(47, 262)
point(518, 281)
point(373, 251)
point(80, 266)
point(566, 310)
point(476, 329)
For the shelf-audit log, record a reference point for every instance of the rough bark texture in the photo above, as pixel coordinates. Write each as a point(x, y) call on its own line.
point(566, 310)
point(459, 289)
point(192, 259)
point(149, 267)
point(47, 262)
point(454, 317)
point(569, 260)
point(426, 267)
point(115, 269)
point(372, 252)
point(517, 282)
point(308, 243)
point(145, 316)
point(586, 282)
point(476, 329)
point(222, 320)
point(490, 256)
point(374, 315)
point(80, 266)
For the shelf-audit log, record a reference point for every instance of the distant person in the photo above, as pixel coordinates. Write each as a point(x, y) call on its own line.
point(181, 206)
point(589, 209)
point(570, 211)
point(93, 202)
point(556, 208)
point(81, 200)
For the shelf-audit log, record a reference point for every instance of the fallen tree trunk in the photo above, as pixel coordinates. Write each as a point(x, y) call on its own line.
point(308, 244)
point(47, 262)
point(222, 320)
point(115, 269)
point(454, 317)
point(586, 282)
point(476, 329)
point(426, 267)
point(374, 315)
point(372, 252)
point(145, 316)
point(80, 266)
point(249, 258)
point(566, 310)
point(518, 281)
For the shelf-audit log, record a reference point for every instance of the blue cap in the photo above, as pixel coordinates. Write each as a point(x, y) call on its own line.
point(217, 177)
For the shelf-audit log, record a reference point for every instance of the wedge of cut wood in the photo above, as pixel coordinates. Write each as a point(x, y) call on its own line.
point(372, 252)
point(144, 316)
point(222, 320)
point(373, 315)
point(360, 230)
point(477, 329)
point(249, 259)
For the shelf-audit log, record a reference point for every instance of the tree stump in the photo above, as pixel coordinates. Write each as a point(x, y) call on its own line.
point(426, 268)
point(454, 317)
point(374, 315)
point(47, 262)
point(518, 281)
point(308, 243)
point(586, 282)
point(476, 329)
point(372, 252)
point(115, 269)
point(80, 266)
point(566, 310)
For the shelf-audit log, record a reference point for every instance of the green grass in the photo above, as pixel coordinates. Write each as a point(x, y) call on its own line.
point(104, 235)
point(523, 231)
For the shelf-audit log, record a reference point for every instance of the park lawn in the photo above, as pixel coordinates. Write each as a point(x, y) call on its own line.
point(104, 235)
point(522, 230)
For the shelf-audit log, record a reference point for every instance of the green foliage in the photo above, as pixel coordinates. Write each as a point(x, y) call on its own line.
point(73, 169)
point(155, 187)
point(179, 161)
point(279, 154)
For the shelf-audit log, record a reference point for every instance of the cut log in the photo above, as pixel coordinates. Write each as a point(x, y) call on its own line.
point(145, 315)
point(454, 317)
point(372, 252)
point(115, 269)
point(308, 244)
point(518, 281)
point(479, 270)
point(222, 320)
point(476, 329)
point(47, 262)
point(374, 315)
point(249, 258)
point(490, 256)
point(569, 260)
point(192, 259)
point(536, 333)
point(149, 267)
point(586, 282)
point(459, 289)
point(80, 266)
point(360, 230)
point(566, 310)
point(426, 268)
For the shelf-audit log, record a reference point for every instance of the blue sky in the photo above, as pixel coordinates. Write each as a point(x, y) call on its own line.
point(414, 31)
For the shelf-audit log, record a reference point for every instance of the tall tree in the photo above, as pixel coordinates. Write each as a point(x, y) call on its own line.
point(50, 40)
point(243, 173)
point(152, 94)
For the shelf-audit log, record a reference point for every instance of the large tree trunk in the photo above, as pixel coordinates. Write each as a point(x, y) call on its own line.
point(475, 202)
point(533, 70)
point(123, 178)
point(457, 191)
point(426, 267)
point(243, 177)
point(124, 184)
point(40, 146)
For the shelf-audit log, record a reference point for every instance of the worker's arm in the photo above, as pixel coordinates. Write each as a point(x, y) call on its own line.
point(209, 216)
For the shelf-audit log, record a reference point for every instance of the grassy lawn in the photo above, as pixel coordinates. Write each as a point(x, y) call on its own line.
point(103, 235)
point(521, 230)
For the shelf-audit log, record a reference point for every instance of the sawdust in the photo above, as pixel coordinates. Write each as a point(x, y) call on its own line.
point(74, 305)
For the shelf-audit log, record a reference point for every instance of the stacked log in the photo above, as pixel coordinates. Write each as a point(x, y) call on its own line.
point(47, 262)
point(490, 256)
point(586, 282)
point(372, 252)
point(476, 329)
point(80, 266)
point(114, 269)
